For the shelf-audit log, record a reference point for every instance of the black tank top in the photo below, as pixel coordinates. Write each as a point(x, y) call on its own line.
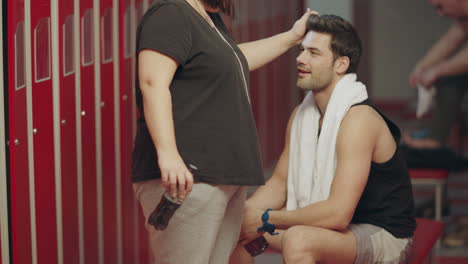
point(387, 200)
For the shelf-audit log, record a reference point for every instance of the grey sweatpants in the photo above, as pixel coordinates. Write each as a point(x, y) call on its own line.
point(204, 229)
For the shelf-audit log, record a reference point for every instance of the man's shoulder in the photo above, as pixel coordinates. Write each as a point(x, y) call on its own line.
point(363, 113)
point(361, 121)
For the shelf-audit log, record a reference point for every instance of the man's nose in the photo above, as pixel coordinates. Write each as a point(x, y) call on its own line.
point(300, 58)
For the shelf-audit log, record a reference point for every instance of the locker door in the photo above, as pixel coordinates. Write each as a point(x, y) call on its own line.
point(43, 134)
point(88, 133)
point(4, 230)
point(18, 137)
point(108, 136)
point(141, 245)
point(68, 153)
point(127, 25)
point(278, 14)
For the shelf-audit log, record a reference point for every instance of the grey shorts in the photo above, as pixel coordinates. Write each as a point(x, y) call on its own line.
point(376, 245)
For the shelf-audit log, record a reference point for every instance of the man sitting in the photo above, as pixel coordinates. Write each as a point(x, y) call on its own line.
point(345, 188)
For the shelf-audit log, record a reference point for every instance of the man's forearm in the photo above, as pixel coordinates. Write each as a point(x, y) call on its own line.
point(271, 195)
point(324, 214)
point(444, 48)
point(456, 65)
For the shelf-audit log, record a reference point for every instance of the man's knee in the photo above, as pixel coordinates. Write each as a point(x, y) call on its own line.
point(297, 246)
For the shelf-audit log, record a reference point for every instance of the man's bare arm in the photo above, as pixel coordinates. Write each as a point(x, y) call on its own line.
point(355, 144)
point(444, 48)
point(439, 53)
point(457, 64)
point(273, 193)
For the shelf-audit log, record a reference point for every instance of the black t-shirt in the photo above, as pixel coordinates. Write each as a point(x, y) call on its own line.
point(213, 120)
point(387, 200)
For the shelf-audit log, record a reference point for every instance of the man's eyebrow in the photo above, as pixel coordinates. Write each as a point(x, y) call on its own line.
point(312, 49)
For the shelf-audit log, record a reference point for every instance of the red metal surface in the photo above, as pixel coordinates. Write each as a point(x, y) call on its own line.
point(127, 56)
point(428, 174)
point(19, 181)
point(425, 236)
point(88, 143)
point(68, 139)
point(44, 173)
point(108, 129)
point(144, 253)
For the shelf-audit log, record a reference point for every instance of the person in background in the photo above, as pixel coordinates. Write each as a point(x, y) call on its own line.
point(196, 137)
point(340, 192)
point(445, 67)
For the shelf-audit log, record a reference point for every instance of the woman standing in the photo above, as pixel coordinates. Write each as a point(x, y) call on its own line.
point(197, 125)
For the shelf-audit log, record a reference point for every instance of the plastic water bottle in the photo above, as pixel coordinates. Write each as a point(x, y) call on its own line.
point(161, 215)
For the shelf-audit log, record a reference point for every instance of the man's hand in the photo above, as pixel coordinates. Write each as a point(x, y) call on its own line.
point(429, 77)
point(252, 221)
point(425, 77)
point(298, 30)
point(175, 176)
point(415, 77)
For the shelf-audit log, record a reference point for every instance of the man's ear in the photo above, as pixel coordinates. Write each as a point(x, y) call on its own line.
point(342, 65)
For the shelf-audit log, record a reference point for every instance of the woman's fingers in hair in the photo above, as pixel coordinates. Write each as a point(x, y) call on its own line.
point(312, 12)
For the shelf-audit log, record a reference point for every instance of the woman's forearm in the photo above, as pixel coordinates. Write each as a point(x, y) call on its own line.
point(159, 119)
point(263, 51)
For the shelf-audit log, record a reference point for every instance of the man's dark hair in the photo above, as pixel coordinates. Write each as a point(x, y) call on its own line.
point(344, 39)
point(226, 6)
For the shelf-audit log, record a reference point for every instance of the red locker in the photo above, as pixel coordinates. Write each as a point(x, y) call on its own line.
point(108, 128)
point(278, 69)
point(68, 132)
point(144, 252)
point(88, 132)
point(128, 16)
point(18, 138)
point(43, 138)
point(141, 245)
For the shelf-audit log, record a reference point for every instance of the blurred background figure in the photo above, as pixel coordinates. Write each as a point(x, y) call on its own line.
point(444, 67)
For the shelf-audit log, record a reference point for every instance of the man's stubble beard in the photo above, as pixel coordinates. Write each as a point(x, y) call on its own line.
point(313, 85)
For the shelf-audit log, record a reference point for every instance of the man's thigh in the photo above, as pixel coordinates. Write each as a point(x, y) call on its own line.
point(327, 246)
point(376, 245)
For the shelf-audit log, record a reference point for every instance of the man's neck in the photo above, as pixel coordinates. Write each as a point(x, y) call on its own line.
point(323, 96)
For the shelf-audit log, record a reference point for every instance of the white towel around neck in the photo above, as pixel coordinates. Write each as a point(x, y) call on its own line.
point(312, 160)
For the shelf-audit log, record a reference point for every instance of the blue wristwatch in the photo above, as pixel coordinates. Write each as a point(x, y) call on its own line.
point(267, 227)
